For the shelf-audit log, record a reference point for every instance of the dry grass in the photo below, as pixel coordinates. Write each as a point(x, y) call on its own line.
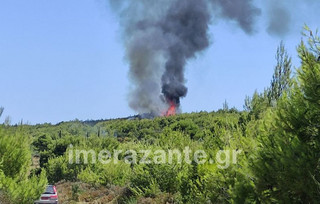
point(3, 198)
point(77, 192)
point(82, 193)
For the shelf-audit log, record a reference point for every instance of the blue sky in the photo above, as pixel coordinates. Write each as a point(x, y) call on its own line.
point(64, 59)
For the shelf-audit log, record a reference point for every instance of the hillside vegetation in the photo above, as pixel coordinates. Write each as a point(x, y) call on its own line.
point(277, 138)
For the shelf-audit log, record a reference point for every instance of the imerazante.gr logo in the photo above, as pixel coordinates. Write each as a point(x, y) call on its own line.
point(223, 158)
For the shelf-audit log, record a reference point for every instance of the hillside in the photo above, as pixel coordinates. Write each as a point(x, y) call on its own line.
point(267, 153)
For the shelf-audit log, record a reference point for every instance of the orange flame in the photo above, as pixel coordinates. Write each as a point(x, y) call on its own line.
point(172, 109)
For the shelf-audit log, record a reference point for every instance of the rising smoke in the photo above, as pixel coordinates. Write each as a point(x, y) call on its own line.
point(185, 25)
point(243, 12)
point(279, 18)
point(161, 36)
point(283, 17)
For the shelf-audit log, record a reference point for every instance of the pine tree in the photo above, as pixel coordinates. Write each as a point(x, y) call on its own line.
point(288, 170)
point(281, 76)
point(15, 157)
point(256, 104)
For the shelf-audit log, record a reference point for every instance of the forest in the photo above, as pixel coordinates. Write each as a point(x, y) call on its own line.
point(278, 133)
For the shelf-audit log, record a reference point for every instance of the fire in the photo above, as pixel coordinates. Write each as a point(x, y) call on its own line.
point(172, 109)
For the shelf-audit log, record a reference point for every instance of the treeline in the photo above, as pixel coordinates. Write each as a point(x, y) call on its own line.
point(278, 134)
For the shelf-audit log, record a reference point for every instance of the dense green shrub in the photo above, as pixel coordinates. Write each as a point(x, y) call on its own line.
point(15, 156)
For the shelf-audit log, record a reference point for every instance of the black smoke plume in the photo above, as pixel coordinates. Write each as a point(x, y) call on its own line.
point(187, 26)
point(243, 12)
point(161, 36)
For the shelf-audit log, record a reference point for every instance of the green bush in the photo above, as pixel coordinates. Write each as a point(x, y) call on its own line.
point(15, 155)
